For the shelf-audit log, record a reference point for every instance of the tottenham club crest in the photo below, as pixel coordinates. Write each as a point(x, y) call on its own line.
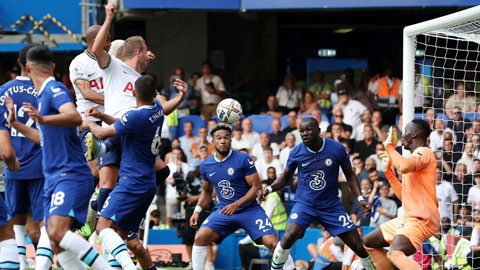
point(328, 162)
point(318, 182)
point(230, 171)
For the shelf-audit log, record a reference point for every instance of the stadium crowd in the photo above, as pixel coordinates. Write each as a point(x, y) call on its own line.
point(356, 114)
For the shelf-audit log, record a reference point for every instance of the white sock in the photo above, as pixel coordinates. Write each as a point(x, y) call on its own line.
point(20, 231)
point(114, 265)
point(117, 248)
point(44, 256)
point(9, 255)
point(70, 261)
point(199, 257)
point(289, 264)
point(280, 256)
point(84, 251)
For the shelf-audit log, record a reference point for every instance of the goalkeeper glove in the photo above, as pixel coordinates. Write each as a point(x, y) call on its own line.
point(391, 139)
point(386, 164)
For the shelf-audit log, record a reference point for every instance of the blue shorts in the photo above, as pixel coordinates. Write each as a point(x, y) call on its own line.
point(112, 156)
point(127, 208)
point(252, 219)
point(68, 197)
point(25, 196)
point(82, 134)
point(334, 219)
point(4, 216)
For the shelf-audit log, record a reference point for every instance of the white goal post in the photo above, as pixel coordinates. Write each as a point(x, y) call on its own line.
point(409, 50)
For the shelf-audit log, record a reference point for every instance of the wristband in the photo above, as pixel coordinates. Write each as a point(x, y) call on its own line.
point(269, 189)
point(360, 198)
point(197, 209)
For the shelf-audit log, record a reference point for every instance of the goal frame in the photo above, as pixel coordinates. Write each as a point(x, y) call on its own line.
point(409, 49)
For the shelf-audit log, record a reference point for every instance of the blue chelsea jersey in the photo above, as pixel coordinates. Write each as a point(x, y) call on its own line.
point(28, 153)
point(61, 149)
point(139, 130)
point(318, 172)
point(228, 176)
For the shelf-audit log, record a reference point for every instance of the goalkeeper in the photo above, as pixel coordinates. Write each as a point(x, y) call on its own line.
point(406, 234)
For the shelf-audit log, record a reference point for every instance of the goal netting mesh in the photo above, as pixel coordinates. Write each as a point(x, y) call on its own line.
point(446, 93)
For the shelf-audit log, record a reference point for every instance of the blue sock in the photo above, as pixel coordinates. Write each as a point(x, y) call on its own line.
point(102, 197)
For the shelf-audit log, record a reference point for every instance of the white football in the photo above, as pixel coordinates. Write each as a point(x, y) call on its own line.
point(229, 110)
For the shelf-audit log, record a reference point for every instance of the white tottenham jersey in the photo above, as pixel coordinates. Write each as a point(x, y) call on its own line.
point(85, 67)
point(119, 80)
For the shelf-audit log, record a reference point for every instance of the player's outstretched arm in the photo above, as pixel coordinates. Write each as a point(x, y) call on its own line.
point(92, 111)
point(171, 105)
point(8, 152)
point(205, 198)
point(391, 177)
point(30, 133)
point(352, 181)
point(88, 93)
point(67, 116)
point(102, 56)
point(100, 132)
point(279, 183)
point(253, 181)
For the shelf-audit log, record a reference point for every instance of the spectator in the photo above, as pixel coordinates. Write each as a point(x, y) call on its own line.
point(290, 144)
point(383, 209)
point(458, 124)
point(194, 78)
point(169, 157)
point(459, 100)
point(375, 176)
point(378, 128)
point(357, 211)
point(450, 157)
point(366, 147)
point(171, 92)
point(422, 90)
point(379, 147)
point(425, 255)
point(366, 119)
point(464, 216)
point(361, 92)
point(211, 89)
point(328, 255)
point(352, 109)
point(476, 166)
point(250, 136)
point(210, 125)
point(156, 221)
point(202, 135)
point(292, 122)
point(474, 193)
point(322, 124)
point(338, 117)
point(178, 168)
point(188, 139)
point(447, 197)
point(336, 132)
point(370, 163)
point(288, 96)
point(476, 145)
point(462, 182)
point(257, 150)
point(266, 162)
point(277, 136)
point(430, 116)
point(238, 142)
point(308, 104)
point(358, 166)
point(296, 132)
point(467, 157)
point(388, 91)
point(436, 137)
point(322, 92)
point(272, 108)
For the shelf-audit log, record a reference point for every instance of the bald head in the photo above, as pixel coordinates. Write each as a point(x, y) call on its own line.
point(310, 121)
point(92, 32)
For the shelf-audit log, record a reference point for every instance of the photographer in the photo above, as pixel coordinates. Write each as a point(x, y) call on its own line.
point(191, 194)
point(178, 170)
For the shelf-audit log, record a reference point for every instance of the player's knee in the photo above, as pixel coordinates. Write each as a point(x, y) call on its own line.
point(135, 246)
point(34, 234)
point(55, 234)
point(201, 239)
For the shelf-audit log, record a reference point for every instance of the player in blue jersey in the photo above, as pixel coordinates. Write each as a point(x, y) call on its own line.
point(318, 161)
point(236, 182)
point(68, 181)
point(129, 201)
point(24, 188)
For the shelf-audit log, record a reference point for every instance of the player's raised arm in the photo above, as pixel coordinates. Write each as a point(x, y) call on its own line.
point(253, 181)
point(171, 105)
point(100, 132)
point(30, 133)
point(67, 116)
point(92, 111)
point(205, 197)
point(102, 56)
point(391, 177)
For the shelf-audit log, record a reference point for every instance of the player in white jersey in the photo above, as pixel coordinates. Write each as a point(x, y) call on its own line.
point(87, 81)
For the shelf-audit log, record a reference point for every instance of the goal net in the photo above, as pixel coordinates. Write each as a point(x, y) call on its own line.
point(442, 85)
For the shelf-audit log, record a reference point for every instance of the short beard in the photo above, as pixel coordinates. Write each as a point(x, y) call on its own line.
point(223, 153)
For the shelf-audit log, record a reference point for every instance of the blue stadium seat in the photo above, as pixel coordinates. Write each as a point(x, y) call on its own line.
point(261, 123)
point(470, 116)
point(197, 123)
point(442, 116)
point(285, 123)
point(419, 116)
